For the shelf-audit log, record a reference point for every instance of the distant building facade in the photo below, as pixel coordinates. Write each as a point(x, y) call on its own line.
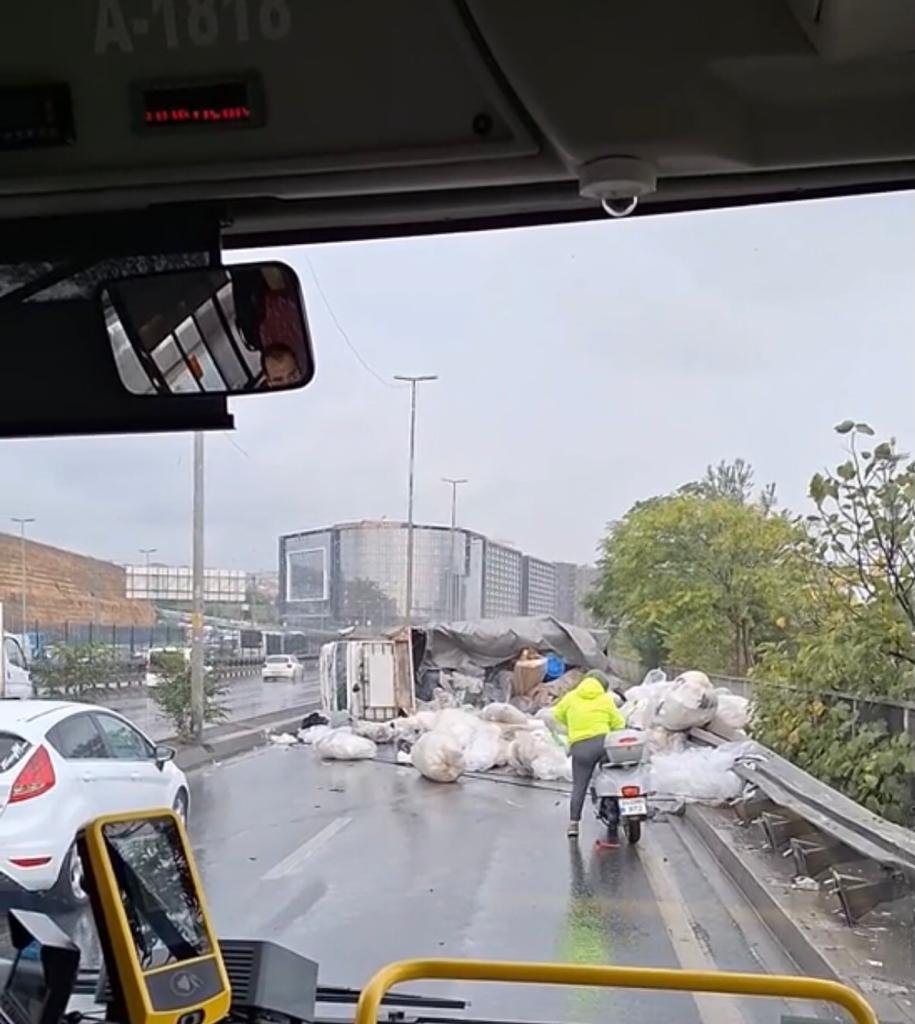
point(173, 584)
point(355, 574)
point(573, 584)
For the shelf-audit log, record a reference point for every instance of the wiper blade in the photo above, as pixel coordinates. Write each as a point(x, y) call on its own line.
point(335, 994)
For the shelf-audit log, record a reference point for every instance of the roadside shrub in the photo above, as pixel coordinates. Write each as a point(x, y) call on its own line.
point(859, 759)
point(75, 672)
point(173, 694)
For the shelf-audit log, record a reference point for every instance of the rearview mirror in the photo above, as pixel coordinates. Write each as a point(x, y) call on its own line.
point(220, 331)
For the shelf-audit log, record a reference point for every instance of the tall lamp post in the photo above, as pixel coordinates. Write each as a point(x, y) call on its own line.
point(412, 381)
point(23, 521)
point(454, 483)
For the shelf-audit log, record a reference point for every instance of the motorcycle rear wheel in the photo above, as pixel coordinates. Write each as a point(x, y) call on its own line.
point(633, 827)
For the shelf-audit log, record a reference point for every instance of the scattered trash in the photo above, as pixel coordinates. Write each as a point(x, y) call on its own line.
point(875, 963)
point(314, 733)
point(345, 745)
point(315, 718)
point(283, 739)
point(377, 732)
point(701, 774)
point(404, 757)
point(805, 884)
point(438, 757)
point(733, 712)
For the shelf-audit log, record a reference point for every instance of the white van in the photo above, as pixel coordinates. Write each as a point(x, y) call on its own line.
point(371, 679)
point(18, 680)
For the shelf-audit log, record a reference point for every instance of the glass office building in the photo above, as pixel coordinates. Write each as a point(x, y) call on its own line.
point(355, 574)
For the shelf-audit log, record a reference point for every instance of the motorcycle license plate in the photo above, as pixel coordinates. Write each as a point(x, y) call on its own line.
point(633, 807)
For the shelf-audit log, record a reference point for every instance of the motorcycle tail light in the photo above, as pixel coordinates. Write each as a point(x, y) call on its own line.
point(630, 790)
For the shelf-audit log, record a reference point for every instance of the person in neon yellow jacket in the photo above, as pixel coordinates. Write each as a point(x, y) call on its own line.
point(588, 713)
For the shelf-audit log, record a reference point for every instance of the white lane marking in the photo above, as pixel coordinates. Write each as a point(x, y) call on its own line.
point(295, 860)
point(690, 952)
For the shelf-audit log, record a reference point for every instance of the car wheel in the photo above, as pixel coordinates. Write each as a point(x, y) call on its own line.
point(70, 889)
point(180, 805)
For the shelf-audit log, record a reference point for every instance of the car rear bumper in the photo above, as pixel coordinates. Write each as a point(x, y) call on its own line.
point(41, 878)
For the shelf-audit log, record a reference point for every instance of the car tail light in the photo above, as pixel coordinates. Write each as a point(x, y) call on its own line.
point(630, 791)
point(625, 740)
point(36, 777)
point(30, 862)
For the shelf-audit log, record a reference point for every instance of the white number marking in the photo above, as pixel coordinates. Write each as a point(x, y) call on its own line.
point(197, 23)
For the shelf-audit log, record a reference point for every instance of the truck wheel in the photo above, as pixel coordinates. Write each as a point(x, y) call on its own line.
point(633, 830)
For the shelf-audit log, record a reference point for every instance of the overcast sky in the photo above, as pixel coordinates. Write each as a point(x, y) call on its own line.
point(582, 368)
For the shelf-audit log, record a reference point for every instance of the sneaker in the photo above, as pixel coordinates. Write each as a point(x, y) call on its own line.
point(572, 830)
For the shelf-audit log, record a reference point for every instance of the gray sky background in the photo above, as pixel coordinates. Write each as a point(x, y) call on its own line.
point(582, 368)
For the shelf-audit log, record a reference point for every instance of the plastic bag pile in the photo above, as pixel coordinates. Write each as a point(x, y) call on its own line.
point(448, 742)
point(666, 709)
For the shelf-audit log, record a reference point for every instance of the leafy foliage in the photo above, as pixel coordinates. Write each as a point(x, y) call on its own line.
point(855, 632)
point(365, 603)
point(830, 742)
point(698, 580)
point(173, 693)
point(80, 671)
point(732, 480)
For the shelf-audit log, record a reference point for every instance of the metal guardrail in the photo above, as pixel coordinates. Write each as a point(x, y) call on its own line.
point(866, 859)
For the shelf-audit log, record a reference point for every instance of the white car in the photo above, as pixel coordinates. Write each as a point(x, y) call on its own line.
point(283, 666)
point(61, 765)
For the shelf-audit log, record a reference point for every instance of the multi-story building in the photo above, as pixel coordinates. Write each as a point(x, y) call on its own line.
point(573, 583)
point(355, 574)
point(538, 586)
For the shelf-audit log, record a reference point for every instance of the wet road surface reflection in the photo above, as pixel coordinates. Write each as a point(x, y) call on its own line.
point(355, 865)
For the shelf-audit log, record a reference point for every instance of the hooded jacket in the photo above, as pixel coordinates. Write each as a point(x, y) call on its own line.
point(588, 711)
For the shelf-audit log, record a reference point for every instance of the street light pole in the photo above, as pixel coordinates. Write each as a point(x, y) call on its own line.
point(23, 521)
point(454, 483)
point(197, 594)
point(412, 381)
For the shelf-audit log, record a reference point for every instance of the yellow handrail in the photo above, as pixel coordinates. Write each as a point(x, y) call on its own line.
point(724, 982)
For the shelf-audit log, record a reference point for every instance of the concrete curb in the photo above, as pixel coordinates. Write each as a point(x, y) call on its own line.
point(789, 935)
point(238, 737)
point(830, 959)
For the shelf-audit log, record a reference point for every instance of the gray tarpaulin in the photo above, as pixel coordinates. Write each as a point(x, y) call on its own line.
point(462, 646)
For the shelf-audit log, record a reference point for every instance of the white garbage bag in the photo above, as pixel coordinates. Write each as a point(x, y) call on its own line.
point(733, 711)
point(642, 702)
point(283, 739)
point(459, 725)
point(485, 748)
point(315, 733)
point(438, 757)
point(662, 741)
point(535, 754)
point(700, 774)
point(690, 703)
point(504, 713)
point(345, 745)
point(377, 732)
point(654, 676)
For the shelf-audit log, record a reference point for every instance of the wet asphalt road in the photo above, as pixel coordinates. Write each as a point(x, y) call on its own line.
point(358, 864)
point(244, 697)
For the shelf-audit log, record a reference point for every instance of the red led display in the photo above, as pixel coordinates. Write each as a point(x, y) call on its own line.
point(206, 105)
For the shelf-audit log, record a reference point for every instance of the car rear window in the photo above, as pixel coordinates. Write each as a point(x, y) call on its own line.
point(12, 750)
point(277, 659)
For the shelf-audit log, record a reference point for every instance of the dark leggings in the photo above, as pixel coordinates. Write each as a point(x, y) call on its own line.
point(586, 755)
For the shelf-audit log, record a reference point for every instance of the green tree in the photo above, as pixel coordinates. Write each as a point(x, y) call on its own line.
point(699, 580)
point(80, 671)
point(732, 480)
point(173, 693)
point(854, 631)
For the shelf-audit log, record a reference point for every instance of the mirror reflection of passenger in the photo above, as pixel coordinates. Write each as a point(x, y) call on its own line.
point(280, 366)
point(269, 317)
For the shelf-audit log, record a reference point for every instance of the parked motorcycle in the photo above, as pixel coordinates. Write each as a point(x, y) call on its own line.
point(618, 788)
